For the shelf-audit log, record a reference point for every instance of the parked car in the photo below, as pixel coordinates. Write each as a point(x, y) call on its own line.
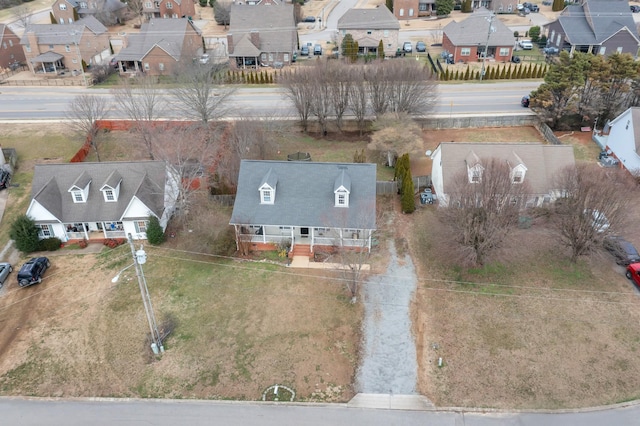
point(547, 2)
point(406, 47)
point(534, 8)
point(317, 49)
point(304, 51)
point(526, 44)
point(622, 250)
point(525, 101)
point(5, 270)
point(310, 19)
point(599, 221)
point(516, 59)
point(633, 273)
point(551, 50)
point(421, 46)
point(205, 58)
point(32, 271)
point(634, 8)
point(5, 179)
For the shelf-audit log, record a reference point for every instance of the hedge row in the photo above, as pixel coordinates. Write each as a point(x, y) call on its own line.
point(498, 72)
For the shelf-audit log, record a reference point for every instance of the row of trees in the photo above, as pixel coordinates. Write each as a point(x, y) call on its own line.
point(506, 72)
point(329, 89)
point(587, 87)
point(481, 215)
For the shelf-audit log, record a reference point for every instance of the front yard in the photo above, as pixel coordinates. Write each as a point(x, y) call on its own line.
point(527, 331)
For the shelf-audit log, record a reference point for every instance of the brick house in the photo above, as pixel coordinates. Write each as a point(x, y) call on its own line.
point(51, 48)
point(262, 34)
point(108, 12)
point(598, 27)
point(11, 52)
point(168, 9)
point(467, 40)
point(161, 47)
point(368, 27)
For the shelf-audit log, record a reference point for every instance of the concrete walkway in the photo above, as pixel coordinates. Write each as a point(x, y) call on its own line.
point(304, 262)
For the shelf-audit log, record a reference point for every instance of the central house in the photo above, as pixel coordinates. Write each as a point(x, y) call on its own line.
point(289, 203)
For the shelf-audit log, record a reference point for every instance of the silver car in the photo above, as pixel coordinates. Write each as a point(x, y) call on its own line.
point(5, 270)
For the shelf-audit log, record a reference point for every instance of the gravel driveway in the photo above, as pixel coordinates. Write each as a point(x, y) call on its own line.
point(389, 363)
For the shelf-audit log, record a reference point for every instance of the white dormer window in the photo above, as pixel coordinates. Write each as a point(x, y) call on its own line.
point(266, 196)
point(78, 196)
point(109, 195)
point(518, 176)
point(342, 198)
point(475, 174)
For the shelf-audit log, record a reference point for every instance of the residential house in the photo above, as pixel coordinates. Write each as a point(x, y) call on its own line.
point(305, 203)
point(51, 48)
point(534, 163)
point(169, 9)
point(600, 27)
point(96, 201)
point(368, 27)
point(11, 53)
point(467, 40)
point(264, 34)
point(413, 9)
point(621, 137)
point(108, 12)
point(161, 47)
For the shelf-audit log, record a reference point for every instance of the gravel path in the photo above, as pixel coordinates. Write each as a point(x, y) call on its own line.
point(389, 355)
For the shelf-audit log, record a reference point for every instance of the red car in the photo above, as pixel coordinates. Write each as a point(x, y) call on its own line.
point(633, 273)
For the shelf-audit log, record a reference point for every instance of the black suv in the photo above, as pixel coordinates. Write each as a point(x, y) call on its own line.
point(622, 250)
point(32, 271)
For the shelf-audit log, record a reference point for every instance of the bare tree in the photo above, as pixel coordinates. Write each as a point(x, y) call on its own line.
point(141, 102)
point(482, 211)
point(200, 93)
point(137, 8)
point(321, 93)
point(22, 14)
point(193, 152)
point(396, 134)
point(359, 100)
point(341, 80)
point(84, 112)
point(222, 12)
point(298, 86)
point(593, 205)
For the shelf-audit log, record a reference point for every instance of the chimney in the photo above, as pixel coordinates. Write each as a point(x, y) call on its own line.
point(255, 38)
point(230, 43)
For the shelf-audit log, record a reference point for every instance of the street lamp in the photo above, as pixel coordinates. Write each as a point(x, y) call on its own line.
point(139, 259)
point(486, 46)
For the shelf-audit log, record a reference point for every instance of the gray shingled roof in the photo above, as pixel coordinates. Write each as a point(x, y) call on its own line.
point(167, 34)
point(46, 57)
point(109, 5)
point(473, 31)
point(142, 179)
point(379, 18)
point(594, 21)
point(63, 34)
point(274, 23)
point(542, 161)
point(305, 196)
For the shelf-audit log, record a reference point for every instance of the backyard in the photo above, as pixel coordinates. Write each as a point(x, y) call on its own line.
point(529, 330)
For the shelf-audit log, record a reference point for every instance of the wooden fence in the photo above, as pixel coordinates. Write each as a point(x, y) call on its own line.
point(386, 187)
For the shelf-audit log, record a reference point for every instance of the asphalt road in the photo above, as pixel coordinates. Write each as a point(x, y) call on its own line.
point(50, 103)
point(36, 412)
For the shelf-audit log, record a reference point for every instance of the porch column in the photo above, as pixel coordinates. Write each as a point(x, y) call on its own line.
point(313, 236)
point(236, 229)
point(341, 238)
point(369, 240)
point(264, 235)
point(293, 241)
point(84, 231)
point(104, 230)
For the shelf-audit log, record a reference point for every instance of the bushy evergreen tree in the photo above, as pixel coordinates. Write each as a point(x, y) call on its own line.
point(155, 234)
point(24, 233)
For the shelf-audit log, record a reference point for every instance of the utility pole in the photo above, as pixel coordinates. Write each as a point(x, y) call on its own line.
point(486, 46)
point(139, 258)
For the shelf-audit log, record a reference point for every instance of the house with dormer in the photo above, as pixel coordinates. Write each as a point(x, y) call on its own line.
point(97, 201)
point(52, 48)
point(108, 12)
point(289, 203)
point(621, 138)
point(535, 163)
point(599, 27)
point(263, 34)
point(368, 27)
point(168, 9)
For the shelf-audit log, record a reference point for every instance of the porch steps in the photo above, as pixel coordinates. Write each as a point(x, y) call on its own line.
point(301, 250)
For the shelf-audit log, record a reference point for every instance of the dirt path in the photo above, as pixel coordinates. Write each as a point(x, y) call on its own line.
point(388, 362)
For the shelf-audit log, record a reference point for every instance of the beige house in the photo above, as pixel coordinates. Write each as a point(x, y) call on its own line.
point(62, 48)
point(368, 27)
point(108, 12)
point(534, 163)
